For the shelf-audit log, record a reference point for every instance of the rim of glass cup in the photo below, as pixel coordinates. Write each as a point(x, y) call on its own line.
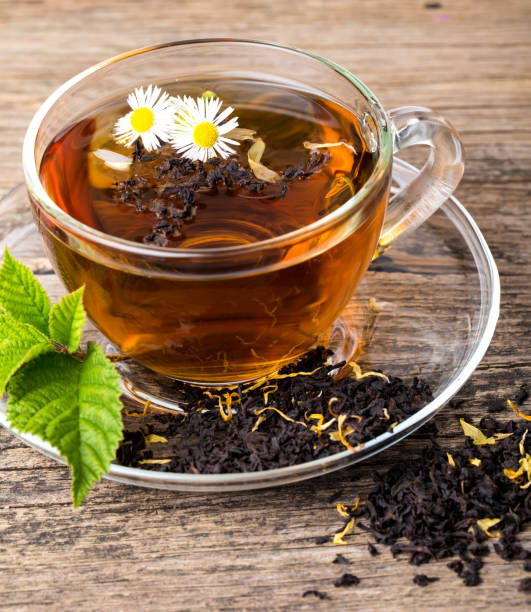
point(39, 194)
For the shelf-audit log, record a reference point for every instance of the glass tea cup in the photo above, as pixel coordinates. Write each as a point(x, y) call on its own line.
point(224, 315)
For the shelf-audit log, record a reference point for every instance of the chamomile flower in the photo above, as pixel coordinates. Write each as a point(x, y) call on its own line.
point(150, 118)
point(198, 130)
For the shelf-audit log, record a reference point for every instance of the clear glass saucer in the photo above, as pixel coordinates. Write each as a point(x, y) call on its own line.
point(427, 307)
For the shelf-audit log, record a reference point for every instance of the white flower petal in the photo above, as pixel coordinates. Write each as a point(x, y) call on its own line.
point(223, 115)
point(228, 127)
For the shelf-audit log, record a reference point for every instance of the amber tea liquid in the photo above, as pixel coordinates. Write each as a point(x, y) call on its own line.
point(222, 328)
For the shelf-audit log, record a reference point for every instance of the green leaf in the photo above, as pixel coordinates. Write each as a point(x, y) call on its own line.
point(73, 405)
point(19, 343)
point(67, 319)
point(22, 296)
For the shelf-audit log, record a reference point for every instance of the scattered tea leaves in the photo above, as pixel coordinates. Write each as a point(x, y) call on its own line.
point(449, 502)
point(372, 550)
point(315, 593)
point(347, 580)
point(341, 560)
point(422, 580)
point(260, 436)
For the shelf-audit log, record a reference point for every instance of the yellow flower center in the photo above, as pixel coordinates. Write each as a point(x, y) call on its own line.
point(142, 119)
point(205, 134)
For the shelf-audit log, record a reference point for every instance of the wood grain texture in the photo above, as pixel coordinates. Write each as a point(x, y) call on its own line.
point(166, 551)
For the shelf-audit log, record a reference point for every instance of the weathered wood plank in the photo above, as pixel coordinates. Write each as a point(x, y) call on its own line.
point(256, 550)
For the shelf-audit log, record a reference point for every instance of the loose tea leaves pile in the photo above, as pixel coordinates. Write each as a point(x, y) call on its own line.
point(301, 413)
point(449, 503)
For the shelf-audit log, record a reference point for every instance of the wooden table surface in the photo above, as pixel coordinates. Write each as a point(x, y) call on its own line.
point(161, 550)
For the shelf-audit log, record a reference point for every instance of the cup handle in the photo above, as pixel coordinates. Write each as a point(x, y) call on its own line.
point(438, 178)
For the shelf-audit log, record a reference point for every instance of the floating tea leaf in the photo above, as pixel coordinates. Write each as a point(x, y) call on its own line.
point(115, 161)
point(327, 145)
point(254, 155)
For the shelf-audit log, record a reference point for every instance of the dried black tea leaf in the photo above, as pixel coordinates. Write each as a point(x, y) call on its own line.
point(373, 550)
point(423, 580)
point(347, 580)
point(315, 593)
point(340, 559)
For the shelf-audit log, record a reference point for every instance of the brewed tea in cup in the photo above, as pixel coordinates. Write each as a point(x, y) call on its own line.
point(214, 255)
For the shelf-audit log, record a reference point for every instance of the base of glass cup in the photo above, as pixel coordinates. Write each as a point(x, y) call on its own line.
point(147, 388)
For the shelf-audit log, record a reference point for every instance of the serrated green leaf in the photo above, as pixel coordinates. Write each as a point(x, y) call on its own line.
point(19, 343)
point(21, 294)
point(73, 405)
point(67, 319)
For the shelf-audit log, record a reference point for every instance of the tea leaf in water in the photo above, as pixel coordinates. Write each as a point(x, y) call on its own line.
point(262, 173)
point(115, 161)
point(327, 145)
